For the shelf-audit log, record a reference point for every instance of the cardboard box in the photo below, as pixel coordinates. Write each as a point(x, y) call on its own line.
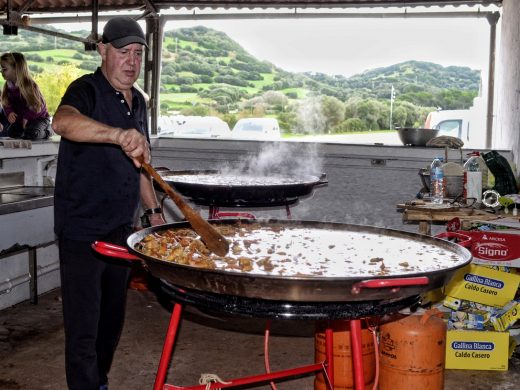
point(506, 317)
point(493, 248)
point(483, 285)
point(477, 350)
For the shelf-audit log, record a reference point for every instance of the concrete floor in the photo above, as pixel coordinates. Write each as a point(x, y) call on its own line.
point(31, 349)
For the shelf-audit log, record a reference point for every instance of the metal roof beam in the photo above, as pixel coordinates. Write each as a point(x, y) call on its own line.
point(26, 6)
point(320, 4)
point(337, 15)
point(48, 32)
point(278, 15)
point(151, 8)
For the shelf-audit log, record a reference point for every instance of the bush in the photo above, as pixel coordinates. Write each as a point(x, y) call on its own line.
point(167, 79)
point(188, 89)
point(287, 121)
point(232, 80)
point(53, 84)
point(168, 70)
point(351, 124)
point(254, 76)
point(35, 69)
point(197, 68)
point(206, 79)
point(184, 80)
point(34, 58)
point(89, 65)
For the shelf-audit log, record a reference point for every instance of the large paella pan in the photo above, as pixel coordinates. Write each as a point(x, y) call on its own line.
point(298, 260)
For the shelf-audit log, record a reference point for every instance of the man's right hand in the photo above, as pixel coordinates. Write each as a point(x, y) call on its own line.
point(135, 145)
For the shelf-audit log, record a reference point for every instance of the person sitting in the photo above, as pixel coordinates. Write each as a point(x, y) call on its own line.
point(22, 101)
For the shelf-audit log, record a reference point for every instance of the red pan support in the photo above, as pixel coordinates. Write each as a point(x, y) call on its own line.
point(326, 367)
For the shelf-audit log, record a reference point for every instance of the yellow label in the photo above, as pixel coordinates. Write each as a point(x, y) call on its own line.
point(452, 303)
point(477, 350)
point(483, 285)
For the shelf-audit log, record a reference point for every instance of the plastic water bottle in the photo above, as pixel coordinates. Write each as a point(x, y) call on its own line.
point(437, 181)
point(473, 180)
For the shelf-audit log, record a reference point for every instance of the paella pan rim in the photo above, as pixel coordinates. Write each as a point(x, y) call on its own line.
point(457, 249)
point(309, 181)
point(236, 191)
point(296, 288)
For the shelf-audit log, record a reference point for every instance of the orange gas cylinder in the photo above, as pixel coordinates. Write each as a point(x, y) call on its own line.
point(342, 355)
point(412, 352)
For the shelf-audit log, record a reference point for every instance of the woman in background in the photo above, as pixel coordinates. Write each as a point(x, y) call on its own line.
point(22, 100)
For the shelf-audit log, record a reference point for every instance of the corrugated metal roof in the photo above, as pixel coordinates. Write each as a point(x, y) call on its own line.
point(75, 6)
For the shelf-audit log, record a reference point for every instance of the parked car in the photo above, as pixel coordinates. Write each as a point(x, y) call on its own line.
point(193, 127)
point(468, 125)
point(256, 129)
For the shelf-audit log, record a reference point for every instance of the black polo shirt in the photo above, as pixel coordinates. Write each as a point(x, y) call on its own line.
point(97, 185)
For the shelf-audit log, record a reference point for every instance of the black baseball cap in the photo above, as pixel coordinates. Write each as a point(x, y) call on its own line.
point(122, 31)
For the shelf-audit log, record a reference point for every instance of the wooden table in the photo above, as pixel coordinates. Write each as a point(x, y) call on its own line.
point(425, 214)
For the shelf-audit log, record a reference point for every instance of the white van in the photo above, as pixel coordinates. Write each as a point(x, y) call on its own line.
point(454, 123)
point(193, 127)
point(256, 129)
point(468, 125)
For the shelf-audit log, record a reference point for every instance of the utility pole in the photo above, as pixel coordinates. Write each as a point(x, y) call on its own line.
point(392, 98)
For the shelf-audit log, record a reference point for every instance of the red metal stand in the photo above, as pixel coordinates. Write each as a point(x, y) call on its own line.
point(357, 354)
point(214, 213)
point(326, 367)
point(329, 355)
point(166, 354)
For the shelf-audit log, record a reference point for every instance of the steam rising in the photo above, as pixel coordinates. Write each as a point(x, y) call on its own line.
point(310, 119)
point(280, 159)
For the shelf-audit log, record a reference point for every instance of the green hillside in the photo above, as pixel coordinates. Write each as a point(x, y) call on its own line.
point(204, 71)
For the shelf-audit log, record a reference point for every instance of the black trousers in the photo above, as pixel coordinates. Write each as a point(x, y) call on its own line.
point(93, 291)
point(34, 130)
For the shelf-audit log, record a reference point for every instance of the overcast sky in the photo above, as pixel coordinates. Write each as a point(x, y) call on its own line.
point(350, 46)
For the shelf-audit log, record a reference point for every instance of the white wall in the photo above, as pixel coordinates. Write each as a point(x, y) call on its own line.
point(507, 125)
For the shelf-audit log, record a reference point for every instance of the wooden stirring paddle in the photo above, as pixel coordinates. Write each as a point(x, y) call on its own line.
point(215, 241)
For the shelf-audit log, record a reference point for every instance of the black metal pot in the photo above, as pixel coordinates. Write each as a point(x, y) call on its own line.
point(415, 136)
point(227, 191)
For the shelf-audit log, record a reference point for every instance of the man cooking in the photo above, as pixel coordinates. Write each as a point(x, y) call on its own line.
point(103, 124)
